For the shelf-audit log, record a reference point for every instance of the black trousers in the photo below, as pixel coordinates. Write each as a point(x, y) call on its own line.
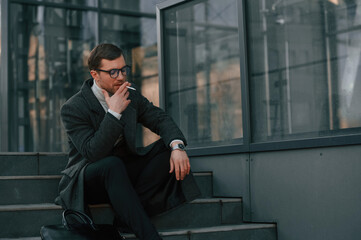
point(130, 184)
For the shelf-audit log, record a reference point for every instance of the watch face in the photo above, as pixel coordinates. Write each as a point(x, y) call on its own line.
point(181, 146)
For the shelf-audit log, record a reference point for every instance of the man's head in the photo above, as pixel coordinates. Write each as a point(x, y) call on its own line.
point(103, 51)
point(107, 66)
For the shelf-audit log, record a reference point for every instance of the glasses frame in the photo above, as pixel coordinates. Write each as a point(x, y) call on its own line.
point(124, 70)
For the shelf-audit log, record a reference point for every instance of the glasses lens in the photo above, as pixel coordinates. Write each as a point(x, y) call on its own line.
point(114, 73)
point(125, 70)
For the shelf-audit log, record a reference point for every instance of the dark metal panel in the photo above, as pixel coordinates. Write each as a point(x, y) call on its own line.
point(230, 174)
point(306, 143)
point(4, 132)
point(310, 193)
point(244, 73)
point(217, 150)
point(160, 57)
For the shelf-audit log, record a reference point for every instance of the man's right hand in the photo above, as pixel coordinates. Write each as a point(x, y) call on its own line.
point(119, 101)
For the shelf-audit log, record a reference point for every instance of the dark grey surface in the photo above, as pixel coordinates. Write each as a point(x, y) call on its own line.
point(254, 234)
point(230, 176)
point(194, 214)
point(52, 164)
point(24, 164)
point(18, 165)
point(26, 223)
point(205, 184)
point(44, 189)
point(311, 193)
point(27, 191)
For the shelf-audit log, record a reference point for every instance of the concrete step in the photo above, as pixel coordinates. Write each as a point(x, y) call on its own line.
point(26, 220)
point(24, 164)
point(229, 232)
point(199, 213)
point(44, 188)
point(225, 232)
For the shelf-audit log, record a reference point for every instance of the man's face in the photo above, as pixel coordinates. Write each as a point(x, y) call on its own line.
point(104, 80)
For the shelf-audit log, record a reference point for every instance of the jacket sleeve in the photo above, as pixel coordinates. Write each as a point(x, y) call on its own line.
point(92, 143)
point(158, 121)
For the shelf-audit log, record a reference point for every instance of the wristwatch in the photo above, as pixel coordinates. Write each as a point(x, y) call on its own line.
point(179, 146)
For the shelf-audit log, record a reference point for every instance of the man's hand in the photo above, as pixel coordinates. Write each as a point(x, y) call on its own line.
point(119, 101)
point(179, 162)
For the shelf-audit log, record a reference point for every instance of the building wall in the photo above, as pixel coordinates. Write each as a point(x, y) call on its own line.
point(310, 193)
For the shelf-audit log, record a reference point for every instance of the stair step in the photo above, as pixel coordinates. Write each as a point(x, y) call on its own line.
point(23, 164)
point(28, 189)
point(44, 188)
point(239, 231)
point(26, 220)
point(198, 213)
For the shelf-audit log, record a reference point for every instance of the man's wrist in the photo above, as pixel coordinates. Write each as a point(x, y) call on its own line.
point(177, 145)
point(115, 114)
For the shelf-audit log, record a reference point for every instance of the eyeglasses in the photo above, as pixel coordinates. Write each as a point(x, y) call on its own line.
point(114, 73)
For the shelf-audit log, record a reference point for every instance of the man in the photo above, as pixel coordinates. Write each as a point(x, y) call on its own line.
point(105, 166)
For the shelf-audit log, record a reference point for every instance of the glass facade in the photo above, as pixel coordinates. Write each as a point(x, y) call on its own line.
point(49, 47)
point(49, 43)
point(202, 71)
point(304, 63)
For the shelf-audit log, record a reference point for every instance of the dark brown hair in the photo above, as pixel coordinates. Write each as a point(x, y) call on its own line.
point(103, 51)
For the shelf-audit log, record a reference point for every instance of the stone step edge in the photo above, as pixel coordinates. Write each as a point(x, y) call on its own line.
point(189, 231)
point(45, 177)
point(222, 228)
point(52, 206)
point(33, 154)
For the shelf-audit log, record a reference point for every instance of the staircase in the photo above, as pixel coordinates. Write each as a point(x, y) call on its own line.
point(28, 187)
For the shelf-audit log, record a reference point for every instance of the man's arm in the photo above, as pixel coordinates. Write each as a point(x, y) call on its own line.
point(92, 143)
point(161, 123)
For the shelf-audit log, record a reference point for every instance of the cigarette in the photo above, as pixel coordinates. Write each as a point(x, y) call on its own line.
point(131, 88)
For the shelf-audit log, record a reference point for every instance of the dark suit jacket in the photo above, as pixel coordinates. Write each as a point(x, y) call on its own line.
point(92, 134)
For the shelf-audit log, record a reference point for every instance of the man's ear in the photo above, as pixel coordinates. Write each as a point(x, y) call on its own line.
point(94, 74)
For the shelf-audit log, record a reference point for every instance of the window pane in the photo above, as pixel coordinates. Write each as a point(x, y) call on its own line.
point(138, 38)
point(202, 71)
point(49, 48)
point(89, 3)
point(304, 61)
point(147, 6)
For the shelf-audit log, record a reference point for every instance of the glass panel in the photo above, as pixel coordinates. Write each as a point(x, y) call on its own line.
point(147, 6)
point(49, 48)
point(202, 71)
point(89, 3)
point(304, 61)
point(138, 38)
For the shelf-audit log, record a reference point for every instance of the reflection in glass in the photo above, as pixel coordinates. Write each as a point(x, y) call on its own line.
point(49, 49)
point(137, 37)
point(90, 3)
point(202, 71)
point(304, 68)
point(147, 6)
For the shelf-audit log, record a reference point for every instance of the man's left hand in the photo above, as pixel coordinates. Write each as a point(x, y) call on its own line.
point(179, 162)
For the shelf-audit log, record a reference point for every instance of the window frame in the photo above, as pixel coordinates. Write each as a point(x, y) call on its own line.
point(247, 146)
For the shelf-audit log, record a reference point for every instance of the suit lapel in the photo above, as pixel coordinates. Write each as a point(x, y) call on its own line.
point(93, 103)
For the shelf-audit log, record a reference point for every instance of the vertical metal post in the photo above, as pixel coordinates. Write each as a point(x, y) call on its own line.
point(246, 118)
point(4, 133)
